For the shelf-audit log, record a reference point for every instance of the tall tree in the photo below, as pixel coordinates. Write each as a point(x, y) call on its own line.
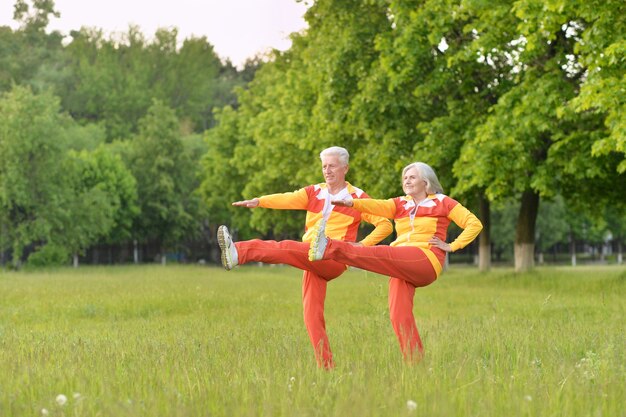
point(42, 197)
point(516, 149)
point(88, 213)
point(430, 92)
point(598, 31)
point(162, 170)
point(32, 191)
point(103, 170)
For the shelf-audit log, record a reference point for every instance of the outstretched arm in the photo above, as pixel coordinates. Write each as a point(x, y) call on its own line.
point(383, 226)
point(342, 203)
point(247, 203)
point(383, 208)
point(296, 200)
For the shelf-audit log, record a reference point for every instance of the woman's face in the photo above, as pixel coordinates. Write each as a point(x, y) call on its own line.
point(413, 184)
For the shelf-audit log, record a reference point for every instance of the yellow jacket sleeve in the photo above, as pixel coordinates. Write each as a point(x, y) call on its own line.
point(382, 230)
point(384, 208)
point(296, 200)
point(468, 222)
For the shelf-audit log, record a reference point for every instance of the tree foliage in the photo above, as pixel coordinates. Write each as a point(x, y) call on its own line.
point(44, 195)
point(517, 105)
point(165, 178)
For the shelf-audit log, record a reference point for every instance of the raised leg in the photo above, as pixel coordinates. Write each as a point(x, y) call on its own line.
point(288, 252)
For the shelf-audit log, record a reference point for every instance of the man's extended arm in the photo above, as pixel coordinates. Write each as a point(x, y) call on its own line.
point(296, 200)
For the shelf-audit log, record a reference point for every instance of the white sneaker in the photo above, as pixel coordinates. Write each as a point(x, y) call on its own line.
point(230, 258)
point(319, 242)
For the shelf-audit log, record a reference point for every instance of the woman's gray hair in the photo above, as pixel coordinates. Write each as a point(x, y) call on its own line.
point(427, 174)
point(341, 153)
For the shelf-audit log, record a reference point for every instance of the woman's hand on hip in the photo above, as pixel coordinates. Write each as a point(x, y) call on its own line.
point(438, 243)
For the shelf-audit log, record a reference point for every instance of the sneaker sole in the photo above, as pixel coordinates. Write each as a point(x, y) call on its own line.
point(313, 247)
point(222, 242)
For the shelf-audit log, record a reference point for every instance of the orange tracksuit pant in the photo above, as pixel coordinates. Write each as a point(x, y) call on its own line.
point(408, 268)
point(314, 280)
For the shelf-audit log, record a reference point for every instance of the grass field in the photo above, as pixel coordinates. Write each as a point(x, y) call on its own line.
point(199, 341)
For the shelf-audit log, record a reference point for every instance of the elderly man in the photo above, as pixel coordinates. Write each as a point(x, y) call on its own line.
point(341, 223)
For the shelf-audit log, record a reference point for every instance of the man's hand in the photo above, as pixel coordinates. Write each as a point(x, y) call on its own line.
point(247, 203)
point(435, 241)
point(342, 203)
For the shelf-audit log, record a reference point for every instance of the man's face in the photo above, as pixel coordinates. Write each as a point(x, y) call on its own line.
point(334, 171)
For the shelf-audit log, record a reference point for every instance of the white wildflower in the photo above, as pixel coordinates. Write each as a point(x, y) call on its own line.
point(528, 398)
point(61, 399)
point(411, 405)
point(589, 365)
point(44, 412)
point(443, 45)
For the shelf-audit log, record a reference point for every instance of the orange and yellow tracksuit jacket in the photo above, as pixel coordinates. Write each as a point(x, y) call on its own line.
point(342, 222)
point(417, 222)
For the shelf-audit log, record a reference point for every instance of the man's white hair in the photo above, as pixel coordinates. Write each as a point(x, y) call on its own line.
point(342, 153)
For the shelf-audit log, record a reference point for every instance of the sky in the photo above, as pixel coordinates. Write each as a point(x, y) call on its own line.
point(238, 29)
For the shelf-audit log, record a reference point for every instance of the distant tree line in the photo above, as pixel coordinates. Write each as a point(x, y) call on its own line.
point(126, 142)
point(101, 137)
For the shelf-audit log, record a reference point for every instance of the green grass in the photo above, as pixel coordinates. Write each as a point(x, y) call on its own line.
point(199, 341)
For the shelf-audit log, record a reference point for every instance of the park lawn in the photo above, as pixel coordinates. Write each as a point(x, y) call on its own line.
point(200, 341)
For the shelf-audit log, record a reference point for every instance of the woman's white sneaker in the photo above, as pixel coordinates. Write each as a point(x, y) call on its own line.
point(319, 242)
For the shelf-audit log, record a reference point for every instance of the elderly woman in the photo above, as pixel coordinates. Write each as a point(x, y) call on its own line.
point(416, 257)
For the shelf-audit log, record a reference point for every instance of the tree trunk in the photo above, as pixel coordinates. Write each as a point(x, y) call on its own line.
point(525, 232)
point(619, 253)
point(572, 245)
point(135, 252)
point(75, 262)
point(484, 239)
point(602, 254)
point(16, 261)
point(2, 234)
